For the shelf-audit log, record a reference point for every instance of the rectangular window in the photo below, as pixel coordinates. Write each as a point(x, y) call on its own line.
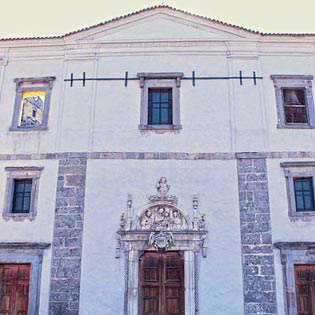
point(21, 193)
point(32, 101)
point(300, 177)
point(160, 107)
point(304, 196)
point(294, 103)
point(294, 99)
point(160, 101)
point(22, 196)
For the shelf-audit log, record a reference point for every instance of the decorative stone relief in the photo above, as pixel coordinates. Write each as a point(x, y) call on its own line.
point(161, 240)
point(161, 218)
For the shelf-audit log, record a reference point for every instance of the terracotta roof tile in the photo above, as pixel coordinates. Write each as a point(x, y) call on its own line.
point(155, 8)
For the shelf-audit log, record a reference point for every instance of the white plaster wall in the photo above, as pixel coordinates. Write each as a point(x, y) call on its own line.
point(217, 116)
point(76, 107)
point(203, 108)
point(107, 187)
point(247, 116)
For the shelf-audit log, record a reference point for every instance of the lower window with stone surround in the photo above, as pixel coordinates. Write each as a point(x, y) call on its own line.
point(300, 181)
point(21, 193)
point(298, 266)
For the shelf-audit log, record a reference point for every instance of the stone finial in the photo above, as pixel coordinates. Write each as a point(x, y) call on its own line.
point(195, 202)
point(204, 247)
point(162, 192)
point(117, 250)
point(127, 216)
point(162, 187)
point(202, 221)
point(199, 219)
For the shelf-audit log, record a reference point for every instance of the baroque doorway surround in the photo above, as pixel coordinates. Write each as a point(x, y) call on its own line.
point(161, 226)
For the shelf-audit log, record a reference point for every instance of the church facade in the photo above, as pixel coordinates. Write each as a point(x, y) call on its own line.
point(157, 163)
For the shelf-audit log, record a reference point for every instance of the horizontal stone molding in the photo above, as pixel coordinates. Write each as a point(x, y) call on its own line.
point(24, 168)
point(298, 164)
point(159, 155)
point(294, 245)
point(291, 77)
point(250, 155)
point(24, 245)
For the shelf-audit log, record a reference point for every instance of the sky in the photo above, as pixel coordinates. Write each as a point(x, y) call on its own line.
point(33, 18)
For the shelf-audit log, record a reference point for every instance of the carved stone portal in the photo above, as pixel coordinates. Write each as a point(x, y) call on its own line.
point(161, 226)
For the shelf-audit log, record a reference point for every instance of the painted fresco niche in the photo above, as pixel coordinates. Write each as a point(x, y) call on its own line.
point(32, 101)
point(31, 108)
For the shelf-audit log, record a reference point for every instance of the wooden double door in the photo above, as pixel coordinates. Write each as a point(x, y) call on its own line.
point(161, 285)
point(305, 289)
point(14, 288)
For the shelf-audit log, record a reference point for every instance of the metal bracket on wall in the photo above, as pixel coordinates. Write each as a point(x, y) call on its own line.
point(193, 78)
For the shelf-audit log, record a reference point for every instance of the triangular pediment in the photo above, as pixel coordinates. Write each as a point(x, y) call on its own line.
point(161, 23)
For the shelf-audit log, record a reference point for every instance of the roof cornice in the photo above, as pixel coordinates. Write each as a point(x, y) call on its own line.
point(160, 7)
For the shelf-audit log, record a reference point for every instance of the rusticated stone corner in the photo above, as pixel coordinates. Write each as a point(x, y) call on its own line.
point(67, 239)
point(256, 241)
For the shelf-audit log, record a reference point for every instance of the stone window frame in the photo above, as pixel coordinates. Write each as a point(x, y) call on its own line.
point(293, 253)
point(149, 80)
point(31, 172)
point(295, 170)
point(294, 81)
point(27, 253)
point(32, 84)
